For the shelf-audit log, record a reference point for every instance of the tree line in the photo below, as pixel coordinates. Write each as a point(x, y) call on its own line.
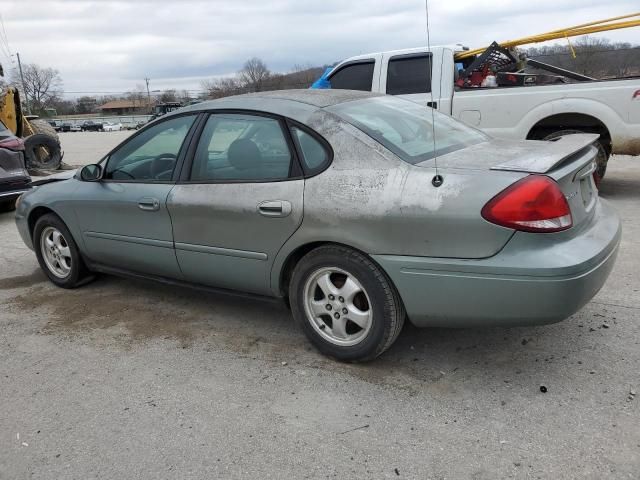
point(255, 76)
point(594, 57)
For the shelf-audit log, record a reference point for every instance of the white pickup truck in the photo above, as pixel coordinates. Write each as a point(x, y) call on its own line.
point(610, 108)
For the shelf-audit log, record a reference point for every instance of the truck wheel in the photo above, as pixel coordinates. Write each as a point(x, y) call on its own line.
point(345, 304)
point(601, 158)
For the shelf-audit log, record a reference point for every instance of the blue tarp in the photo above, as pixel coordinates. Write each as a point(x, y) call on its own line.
point(323, 81)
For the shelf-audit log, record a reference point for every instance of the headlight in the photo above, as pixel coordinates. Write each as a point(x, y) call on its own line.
point(19, 200)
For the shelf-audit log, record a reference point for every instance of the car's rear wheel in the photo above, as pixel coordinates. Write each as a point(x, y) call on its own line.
point(346, 305)
point(57, 252)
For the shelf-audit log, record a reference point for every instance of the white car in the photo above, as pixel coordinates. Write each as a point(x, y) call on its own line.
point(111, 127)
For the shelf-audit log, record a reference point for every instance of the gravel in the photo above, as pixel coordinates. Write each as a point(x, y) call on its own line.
point(127, 379)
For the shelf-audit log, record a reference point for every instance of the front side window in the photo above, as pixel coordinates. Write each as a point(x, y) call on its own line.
point(413, 132)
point(409, 74)
point(152, 154)
point(238, 147)
point(357, 76)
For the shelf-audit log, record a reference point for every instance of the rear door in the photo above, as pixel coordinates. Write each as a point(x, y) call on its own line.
point(415, 77)
point(238, 203)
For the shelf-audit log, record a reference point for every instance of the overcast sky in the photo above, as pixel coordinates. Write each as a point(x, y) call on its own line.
point(110, 46)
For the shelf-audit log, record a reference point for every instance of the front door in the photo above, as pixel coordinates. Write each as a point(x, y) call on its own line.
point(240, 202)
point(124, 218)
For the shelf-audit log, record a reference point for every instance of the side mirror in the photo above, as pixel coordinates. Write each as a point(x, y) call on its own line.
point(91, 173)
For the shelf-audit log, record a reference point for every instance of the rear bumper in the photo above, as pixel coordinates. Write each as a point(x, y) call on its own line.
point(535, 279)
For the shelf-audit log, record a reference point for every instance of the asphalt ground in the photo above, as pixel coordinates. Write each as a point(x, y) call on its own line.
point(129, 379)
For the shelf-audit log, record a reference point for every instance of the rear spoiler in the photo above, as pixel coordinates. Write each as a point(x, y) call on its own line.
point(550, 154)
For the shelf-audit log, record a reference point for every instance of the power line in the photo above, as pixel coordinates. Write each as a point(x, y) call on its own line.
point(4, 41)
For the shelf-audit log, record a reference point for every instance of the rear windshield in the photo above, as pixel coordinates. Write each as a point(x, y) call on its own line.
point(407, 128)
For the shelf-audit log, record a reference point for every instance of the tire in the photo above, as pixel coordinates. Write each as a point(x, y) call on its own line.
point(43, 151)
point(373, 301)
point(64, 270)
point(42, 126)
point(7, 205)
point(602, 158)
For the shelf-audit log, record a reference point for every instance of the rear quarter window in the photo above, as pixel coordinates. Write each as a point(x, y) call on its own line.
point(315, 157)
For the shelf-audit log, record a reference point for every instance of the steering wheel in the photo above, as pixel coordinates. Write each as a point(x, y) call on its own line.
point(119, 170)
point(162, 164)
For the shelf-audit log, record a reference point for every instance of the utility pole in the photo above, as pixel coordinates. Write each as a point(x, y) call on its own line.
point(146, 79)
point(24, 85)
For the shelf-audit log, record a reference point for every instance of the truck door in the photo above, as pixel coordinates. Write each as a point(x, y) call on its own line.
point(360, 73)
point(417, 77)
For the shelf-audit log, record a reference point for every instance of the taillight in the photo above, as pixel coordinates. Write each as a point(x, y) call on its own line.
point(533, 204)
point(12, 143)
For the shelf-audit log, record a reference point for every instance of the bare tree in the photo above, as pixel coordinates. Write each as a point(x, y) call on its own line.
point(168, 96)
point(221, 87)
point(43, 85)
point(595, 57)
point(587, 49)
point(254, 73)
point(86, 104)
point(138, 97)
point(184, 97)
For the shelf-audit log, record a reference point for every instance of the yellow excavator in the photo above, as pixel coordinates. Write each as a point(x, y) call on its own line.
point(41, 142)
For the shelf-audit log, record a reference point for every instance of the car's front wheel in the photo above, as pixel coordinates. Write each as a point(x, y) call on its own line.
point(346, 305)
point(57, 252)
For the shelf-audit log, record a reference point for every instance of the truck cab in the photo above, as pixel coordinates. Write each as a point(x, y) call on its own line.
point(406, 73)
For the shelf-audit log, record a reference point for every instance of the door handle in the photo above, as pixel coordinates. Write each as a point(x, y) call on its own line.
point(149, 204)
point(274, 208)
point(432, 105)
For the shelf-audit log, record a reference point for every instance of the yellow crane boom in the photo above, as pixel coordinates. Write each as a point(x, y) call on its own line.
point(630, 20)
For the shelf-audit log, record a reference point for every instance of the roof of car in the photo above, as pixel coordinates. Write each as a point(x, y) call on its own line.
point(313, 97)
point(296, 104)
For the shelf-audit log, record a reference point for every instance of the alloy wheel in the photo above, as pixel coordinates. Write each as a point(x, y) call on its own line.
point(55, 252)
point(337, 306)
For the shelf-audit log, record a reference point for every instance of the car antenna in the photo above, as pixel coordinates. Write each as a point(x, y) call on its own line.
point(437, 180)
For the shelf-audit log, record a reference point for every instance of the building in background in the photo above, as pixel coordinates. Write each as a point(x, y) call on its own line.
point(126, 107)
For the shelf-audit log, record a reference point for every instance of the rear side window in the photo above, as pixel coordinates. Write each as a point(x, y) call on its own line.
point(241, 148)
point(314, 155)
point(409, 74)
point(356, 76)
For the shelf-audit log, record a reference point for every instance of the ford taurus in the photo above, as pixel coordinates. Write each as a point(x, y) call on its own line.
point(359, 210)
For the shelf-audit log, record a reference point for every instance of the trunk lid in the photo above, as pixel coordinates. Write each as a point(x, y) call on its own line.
point(569, 160)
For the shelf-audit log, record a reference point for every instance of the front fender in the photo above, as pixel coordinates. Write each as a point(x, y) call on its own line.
point(56, 197)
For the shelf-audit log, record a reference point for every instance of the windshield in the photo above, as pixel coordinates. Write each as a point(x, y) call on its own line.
point(407, 128)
